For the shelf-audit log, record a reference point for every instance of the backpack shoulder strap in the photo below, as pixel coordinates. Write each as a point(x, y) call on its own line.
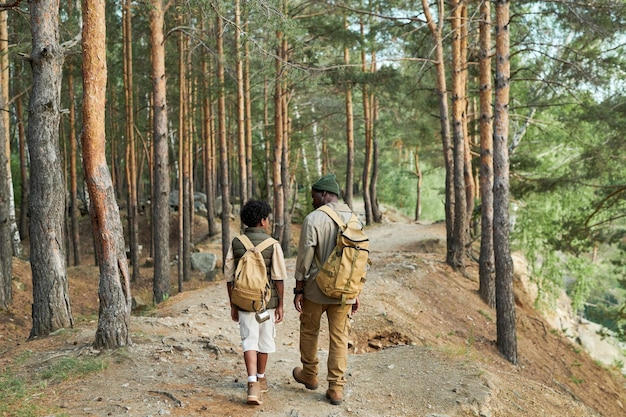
point(333, 215)
point(245, 241)
point(266, 244)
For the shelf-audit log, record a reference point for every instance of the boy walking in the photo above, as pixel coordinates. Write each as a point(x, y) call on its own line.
point(257, 339)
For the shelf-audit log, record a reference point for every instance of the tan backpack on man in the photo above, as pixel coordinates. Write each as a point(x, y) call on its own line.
point(343, 274)
point(251, 286)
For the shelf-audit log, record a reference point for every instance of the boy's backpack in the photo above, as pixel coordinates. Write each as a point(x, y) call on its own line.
point(251, 287)
point(343, 273)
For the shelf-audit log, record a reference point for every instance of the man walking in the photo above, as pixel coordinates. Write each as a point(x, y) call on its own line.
point(317, 240)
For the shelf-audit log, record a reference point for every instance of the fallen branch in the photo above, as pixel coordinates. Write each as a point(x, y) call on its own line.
point(170, 396)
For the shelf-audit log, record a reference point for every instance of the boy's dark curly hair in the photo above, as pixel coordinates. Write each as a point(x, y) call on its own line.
point(254, 211)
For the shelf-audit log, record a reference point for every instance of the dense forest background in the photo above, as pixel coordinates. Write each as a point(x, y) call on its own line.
point(278, 92)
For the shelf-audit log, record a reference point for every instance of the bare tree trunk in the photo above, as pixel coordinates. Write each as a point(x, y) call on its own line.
point(349, 188)
point(369, 145)
point(505, 303)
point(23, 170)
point(210, 153)
point(279, 201)
point(6, 261)
point(436, 31)
point(184, 194)
point(418, 175)
point(461, 226)
point(468, 174)
point(221, 117)
point(268, 168)
point(131, 163)
point(114, 284)
point(51, 303)
point(241, 132)
point(4, 80)
point(75, 232)
point(161, 186)
point(248, 112)
point(377, 215)
point(287, 180)
point(487, 288)
point(188, 194)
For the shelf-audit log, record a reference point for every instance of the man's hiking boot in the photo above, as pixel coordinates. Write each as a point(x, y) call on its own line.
point(335, 396)
point(263, 384)
point(254, 393)
point(309, 382)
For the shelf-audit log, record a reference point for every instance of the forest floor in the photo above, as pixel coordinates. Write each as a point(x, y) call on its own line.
point(422, 344)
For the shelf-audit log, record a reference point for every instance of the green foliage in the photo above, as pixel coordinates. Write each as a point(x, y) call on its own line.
point(398, 188)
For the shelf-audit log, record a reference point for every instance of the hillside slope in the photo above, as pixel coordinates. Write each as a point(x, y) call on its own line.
point(423, 344)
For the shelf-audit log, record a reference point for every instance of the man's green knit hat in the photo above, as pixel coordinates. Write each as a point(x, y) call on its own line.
point(327, 183)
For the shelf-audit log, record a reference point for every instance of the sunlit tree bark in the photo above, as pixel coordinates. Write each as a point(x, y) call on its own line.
point(487, 288)
point(114, 284)
point(131, 156)
point(161, 188)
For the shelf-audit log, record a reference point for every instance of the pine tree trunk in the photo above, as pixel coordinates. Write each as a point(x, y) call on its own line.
point(461, 225)
point(279, 201)
point(4, 80)
point(23, 170)
point(349, 188)
point(131, 164)
point(418, 175)
point(468, 174)
point(114, 283)
point(286, 179)
point(51, 303)
point(446, 142)
point(241, 130)
point(269, 167)
point(209, 148)
point(248, 112)
point(74, 212)
point(161, 191)
point(188, 198)
point(377, 215)
point(6, 261)
point(487, 288)
point(221, 117)
point(505, 303)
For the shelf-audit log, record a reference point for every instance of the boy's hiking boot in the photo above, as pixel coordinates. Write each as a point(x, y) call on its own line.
point(254, 393)
point(263, 384)
point(309, 382)
point(335, 396)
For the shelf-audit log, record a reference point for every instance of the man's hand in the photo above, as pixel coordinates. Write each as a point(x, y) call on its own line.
point(278, 314)
point(297, 302)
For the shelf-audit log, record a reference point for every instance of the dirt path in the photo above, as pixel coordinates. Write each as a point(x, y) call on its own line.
point(421, 347)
